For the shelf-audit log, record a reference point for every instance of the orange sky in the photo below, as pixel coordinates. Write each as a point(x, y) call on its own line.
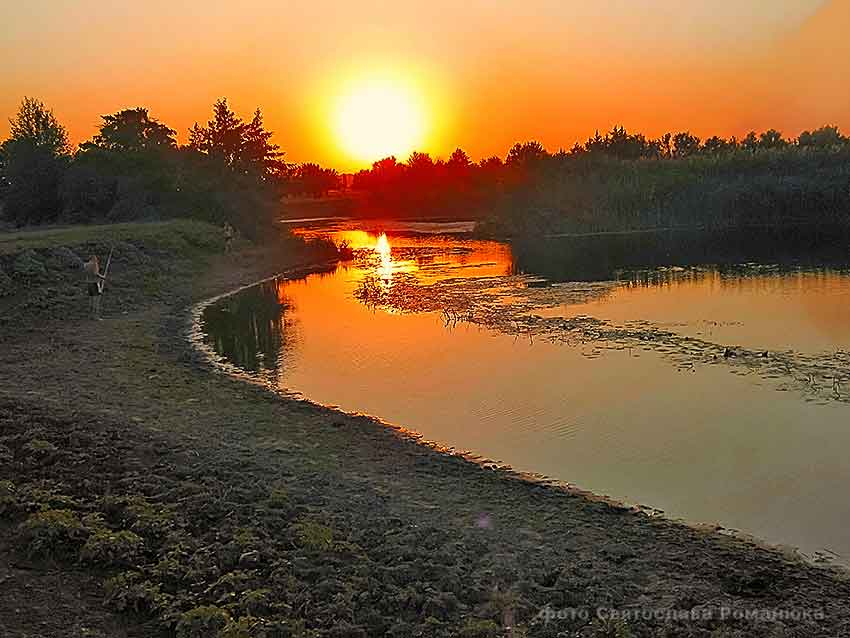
point(491, 73)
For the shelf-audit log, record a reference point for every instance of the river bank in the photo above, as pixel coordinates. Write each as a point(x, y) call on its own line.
point(196, 504)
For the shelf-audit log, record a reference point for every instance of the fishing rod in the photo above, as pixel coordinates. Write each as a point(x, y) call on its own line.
point(102, 283)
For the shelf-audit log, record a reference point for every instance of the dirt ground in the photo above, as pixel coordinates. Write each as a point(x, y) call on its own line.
point(142, 493)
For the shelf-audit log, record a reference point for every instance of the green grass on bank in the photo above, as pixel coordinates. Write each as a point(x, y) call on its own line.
point(171, 233)
point(41, 271)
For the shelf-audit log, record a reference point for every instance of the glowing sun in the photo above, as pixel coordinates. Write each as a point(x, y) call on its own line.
point(376, 118)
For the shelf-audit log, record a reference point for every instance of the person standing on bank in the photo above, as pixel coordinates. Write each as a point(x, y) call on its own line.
point(229, 232)
point(94, 284)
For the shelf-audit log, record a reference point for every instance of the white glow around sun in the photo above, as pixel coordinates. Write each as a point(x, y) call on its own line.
point(378, 117)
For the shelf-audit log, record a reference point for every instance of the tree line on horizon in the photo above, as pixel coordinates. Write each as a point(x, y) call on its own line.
point(229, 170)
point(134, 169)
point(624, 181)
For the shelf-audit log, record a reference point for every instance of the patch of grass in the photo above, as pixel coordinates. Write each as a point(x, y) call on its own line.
point(130, 592)
point(43, 496)
point(40, 450)
point(202, 622)
point(52, 533)
point(313, 535)
point(278, 499)
point(608, 628)
point(256, 601)
point(245, 627)
point(173, 233)
point(479, 629)
point(152, 283)
point(148, 519)
point(171, 570)
point(43, 275)
point(112, 549)
point(8, 498)
point(230, 584)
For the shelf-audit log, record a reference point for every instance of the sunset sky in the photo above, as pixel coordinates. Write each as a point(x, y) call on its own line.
point(477, 74)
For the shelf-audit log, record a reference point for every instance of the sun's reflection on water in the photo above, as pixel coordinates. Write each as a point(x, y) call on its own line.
point(383, 254)
point(385, 260)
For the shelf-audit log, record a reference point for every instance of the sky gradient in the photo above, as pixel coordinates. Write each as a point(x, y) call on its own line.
point(489, 73)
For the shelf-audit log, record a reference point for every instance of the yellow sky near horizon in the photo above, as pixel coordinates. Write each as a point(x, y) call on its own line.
point(488, 73)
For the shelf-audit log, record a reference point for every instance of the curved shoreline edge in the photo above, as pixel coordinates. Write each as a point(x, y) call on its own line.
point(419, 543)
point(194, 335)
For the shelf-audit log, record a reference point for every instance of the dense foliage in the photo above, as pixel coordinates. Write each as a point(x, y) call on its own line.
point(32, 164)
point(134, 169)
point(623, 181)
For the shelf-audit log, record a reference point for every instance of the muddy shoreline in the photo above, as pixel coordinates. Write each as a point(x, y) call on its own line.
point(198, 505)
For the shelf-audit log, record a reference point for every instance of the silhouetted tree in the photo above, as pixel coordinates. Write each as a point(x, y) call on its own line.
point(258, 153)
point(526, 155)
point(128, 170)
point(685, 144)
point(824, 137)
point(242, 147)
point(34, 159)
point(577, 149)
point(132, 130)
point(596, 144)
point(493, 163)
point(419, 162)
point(619, 143)
point(666, 143)
point(771, 139)
point(35, 124)
point(459, 161)
point(314, 180)
point(715, 144)
point(750, 142)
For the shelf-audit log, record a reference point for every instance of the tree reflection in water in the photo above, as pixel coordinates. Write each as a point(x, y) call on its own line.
point(251, 328)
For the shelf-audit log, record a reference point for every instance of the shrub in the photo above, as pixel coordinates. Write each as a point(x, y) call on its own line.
point(256, 601)
point(245, 627)
point(251, 627)
point(244, 537)
point(45, 496)
point(278, 499)
point(608, 628)
point(8, 498)
point(128, 591)
point(147, 519)
point(172, 569)
point(313, 535)
point(51, 533)
point(232, 583)
point(28, 265)
point(202, 622)
point(479, 629)
point(94, 522)
point(106, 547)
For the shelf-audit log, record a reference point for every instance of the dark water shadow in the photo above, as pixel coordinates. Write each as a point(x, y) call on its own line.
point(250, 329)
point(605, 256)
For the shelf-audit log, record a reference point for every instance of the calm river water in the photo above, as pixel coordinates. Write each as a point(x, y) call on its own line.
point(713, 394)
